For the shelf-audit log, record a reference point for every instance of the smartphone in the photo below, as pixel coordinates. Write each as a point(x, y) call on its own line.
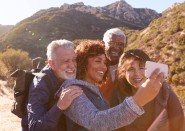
point(151, 66)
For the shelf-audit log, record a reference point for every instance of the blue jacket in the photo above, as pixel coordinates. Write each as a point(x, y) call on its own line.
point(43, 113)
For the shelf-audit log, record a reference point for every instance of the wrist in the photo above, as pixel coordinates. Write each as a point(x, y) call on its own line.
point(134, 106)
point(138, 101)
point(60, 107)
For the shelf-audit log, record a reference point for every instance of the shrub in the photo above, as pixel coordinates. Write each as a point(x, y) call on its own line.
point(3, 70)
point(15, 59)
point(181, 77)
point(180, 91)
point(174, 28)
point(181, 40)
point(175, 79)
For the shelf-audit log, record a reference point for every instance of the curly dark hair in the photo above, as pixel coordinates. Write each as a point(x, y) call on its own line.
point(85, 50)
point(134, 54)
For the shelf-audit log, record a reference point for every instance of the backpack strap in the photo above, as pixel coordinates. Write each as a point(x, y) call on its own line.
point(51, 88)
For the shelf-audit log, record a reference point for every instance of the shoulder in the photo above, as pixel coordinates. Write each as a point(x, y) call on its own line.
point(71, 82)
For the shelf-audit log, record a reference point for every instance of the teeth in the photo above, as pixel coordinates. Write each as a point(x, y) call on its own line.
point(101, 72)
point(70, 71)
point(137, 80)
point(115, 53)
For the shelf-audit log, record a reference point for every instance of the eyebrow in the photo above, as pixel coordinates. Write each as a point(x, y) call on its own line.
point(98, 57)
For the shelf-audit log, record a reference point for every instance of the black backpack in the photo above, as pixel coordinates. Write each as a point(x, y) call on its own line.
point(23, 80)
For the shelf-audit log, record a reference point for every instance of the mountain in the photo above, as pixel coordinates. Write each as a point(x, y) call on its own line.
point(119, 10)
point(5, 28)
point(164, 41)
point(76, 21)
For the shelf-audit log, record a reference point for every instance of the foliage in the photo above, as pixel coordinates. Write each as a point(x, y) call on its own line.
point(164, 39)
point(15, 59)
point(3, 70)
point(180, 91)
point(36, 32)
point(175, 79)
point(181, 40)
point(181, 77)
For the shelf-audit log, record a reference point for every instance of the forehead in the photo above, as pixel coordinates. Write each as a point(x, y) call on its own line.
point(132, 61)
point(102, 57)
point(65, 52)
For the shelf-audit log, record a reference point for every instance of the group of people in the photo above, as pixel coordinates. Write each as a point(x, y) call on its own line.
point(97, 86)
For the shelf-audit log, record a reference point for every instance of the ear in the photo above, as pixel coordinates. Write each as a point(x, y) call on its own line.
point(50, 62)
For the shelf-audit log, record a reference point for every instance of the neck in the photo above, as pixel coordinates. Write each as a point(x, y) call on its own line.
point(112, 62)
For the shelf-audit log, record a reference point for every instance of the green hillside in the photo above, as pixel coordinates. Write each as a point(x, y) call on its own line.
point(164, 40)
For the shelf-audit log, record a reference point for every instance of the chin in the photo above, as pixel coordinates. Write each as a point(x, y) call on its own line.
point(70, 77)
point(99, 81)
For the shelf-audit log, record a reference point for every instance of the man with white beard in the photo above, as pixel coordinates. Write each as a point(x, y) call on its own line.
point(44, 112)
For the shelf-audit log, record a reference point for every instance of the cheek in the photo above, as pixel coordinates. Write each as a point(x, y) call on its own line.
point(142, 73)
point(61, 67)
point(88, 69)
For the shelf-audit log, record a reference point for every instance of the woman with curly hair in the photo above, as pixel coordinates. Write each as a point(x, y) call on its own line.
point(164, 113)
point(90, 111)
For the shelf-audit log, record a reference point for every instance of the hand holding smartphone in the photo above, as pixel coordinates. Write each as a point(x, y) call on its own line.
point(151, 66)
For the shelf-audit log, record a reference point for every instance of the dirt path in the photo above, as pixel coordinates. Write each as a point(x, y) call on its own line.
point(8, 121)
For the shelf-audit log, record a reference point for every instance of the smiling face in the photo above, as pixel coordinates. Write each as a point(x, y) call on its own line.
point(135, 73)
point(115, 48)
point(95, 69)
point(64, 65)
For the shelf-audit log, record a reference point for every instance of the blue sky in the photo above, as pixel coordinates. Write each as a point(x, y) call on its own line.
point(13, 11)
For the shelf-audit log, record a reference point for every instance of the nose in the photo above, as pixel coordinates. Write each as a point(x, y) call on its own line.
point(137, 72)
point(72, 64)
point(119, 46)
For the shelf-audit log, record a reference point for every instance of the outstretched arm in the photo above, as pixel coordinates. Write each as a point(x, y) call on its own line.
point(83, 112)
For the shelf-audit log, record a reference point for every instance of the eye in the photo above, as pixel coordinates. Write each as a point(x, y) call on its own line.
point(97, 61)
point(130, 69)
point(142, 68)
point(64, 60)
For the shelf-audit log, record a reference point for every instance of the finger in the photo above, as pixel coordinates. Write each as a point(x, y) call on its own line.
point(74, 91)
point(71, 92)
point(161, 77)
point(76, 95)
point(64, 90)
point(73, 87)
point(155, 74)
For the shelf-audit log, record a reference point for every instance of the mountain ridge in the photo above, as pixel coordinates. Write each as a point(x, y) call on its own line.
point(75, 21)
